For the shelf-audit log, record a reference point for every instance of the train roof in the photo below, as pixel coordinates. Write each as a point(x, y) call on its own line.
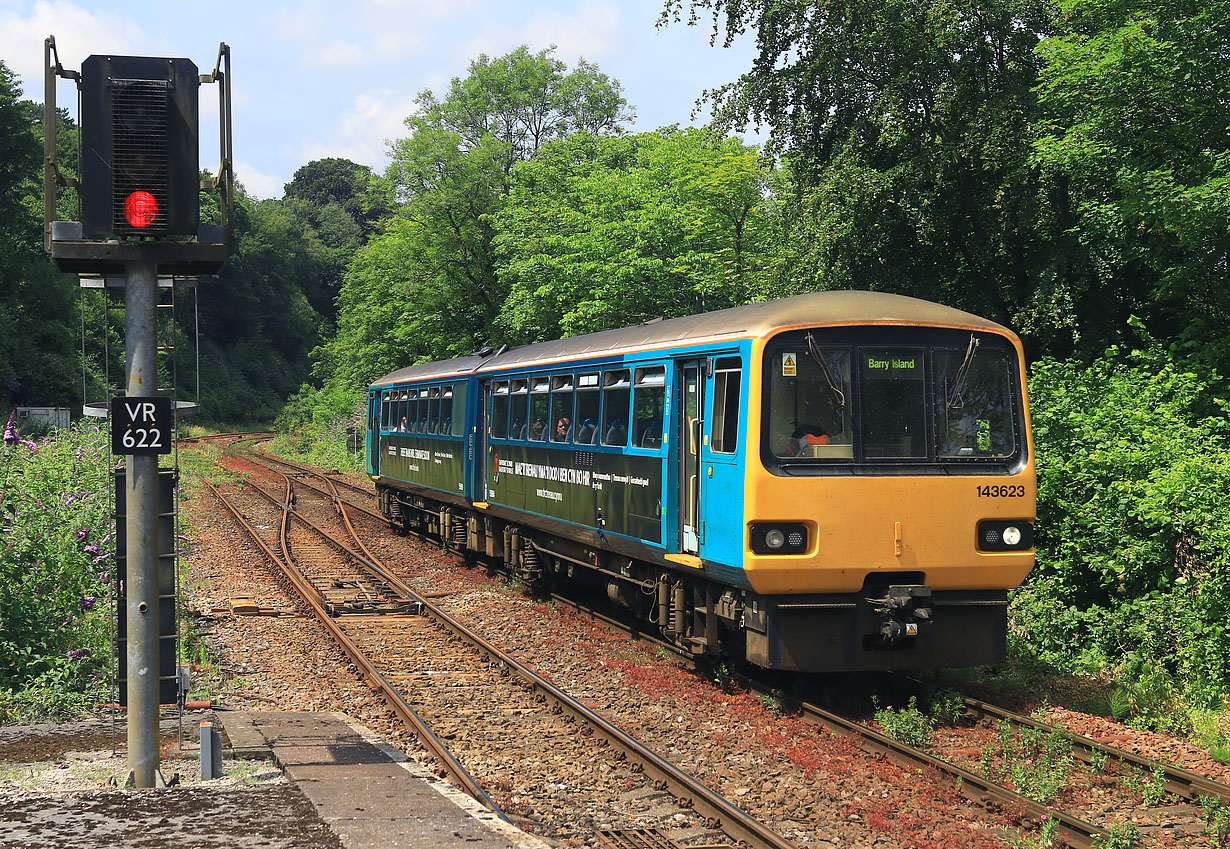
point(814, 309)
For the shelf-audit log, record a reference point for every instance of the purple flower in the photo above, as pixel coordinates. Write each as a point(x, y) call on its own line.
point(101, 558)
point(91, 549)
point(88, 602)
point(77, 654)
point(10, 430)
point(32, 446)
point(82, 534)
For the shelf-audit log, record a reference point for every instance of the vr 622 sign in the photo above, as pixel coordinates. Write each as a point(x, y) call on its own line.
point(141, 425)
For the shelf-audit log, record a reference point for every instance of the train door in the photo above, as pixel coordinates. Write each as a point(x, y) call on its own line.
point(373, 432)
point(478, 460)
point(691, 429)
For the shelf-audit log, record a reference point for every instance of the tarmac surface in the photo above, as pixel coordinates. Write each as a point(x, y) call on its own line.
point(300, 781)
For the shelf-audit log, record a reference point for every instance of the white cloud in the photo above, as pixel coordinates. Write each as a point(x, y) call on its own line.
point(78, 34)
point(594, 31)
point(372, 119)
point(258, 184)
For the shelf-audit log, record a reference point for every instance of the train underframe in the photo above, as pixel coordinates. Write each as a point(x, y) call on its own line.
point(896, 622)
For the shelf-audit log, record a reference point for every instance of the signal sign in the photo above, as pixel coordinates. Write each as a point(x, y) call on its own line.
point(141, 425)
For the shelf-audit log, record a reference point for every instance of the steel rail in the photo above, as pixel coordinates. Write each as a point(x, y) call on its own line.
point(1179, 781)
point(394, 699)
point(721, 813)
point(1079, 833)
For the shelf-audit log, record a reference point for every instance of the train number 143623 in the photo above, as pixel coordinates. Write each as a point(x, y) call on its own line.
point(1011, 491)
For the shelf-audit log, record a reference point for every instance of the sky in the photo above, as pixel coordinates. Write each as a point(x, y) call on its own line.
point(312, 79)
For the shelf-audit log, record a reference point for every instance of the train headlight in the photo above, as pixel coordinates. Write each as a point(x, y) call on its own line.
point(778, 538)
point(1005, 536)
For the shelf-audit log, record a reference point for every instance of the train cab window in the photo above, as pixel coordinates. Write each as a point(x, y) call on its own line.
point(649, 401)
point(973, 403)
point(433, 409)
point(894, 403)
point(724, 433)
point(810, 402)
point(561, 408)
point(518, 410)
point(585, 426)
point(540, 408)
point(500, 401)
point(616, 403)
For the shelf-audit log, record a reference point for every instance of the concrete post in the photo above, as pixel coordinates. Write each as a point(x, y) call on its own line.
point(141, 359)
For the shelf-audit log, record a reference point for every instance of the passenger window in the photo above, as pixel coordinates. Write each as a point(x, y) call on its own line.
point(447, 401)
point(540, 408)
point(386, 409)
point(499, 410)
point(409, 418)
point(433, 410)
point(459, 409)
point(403, 404)
point(649, 401)
point(616, 401)
point(724, 433)
point(585, 426)
point(561, 408)
point(519, 413)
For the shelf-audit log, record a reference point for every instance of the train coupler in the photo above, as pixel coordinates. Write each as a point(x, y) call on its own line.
point(904, 611)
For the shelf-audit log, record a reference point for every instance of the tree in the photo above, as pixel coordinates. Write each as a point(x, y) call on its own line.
point(427, 285)
point(601, 233)
point(906, 126)
point(1134, 137)
point(39, 363)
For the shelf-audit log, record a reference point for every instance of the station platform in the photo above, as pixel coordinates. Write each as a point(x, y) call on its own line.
point(367, 792)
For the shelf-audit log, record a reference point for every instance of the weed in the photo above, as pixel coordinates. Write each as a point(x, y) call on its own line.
point(947, 707)
point(1045, 838)
point(773, 702)
point(909, 725)
point(722, 676)
point(1216, 821)
point(1122, 836)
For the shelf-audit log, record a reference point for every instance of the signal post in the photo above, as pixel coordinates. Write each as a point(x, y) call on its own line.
point(139, 216)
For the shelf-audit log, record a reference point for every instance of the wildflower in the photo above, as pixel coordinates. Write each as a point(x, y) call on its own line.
point(31, 445)
point(82, 534)
point(77, 654)
point(100, 558)
point(10, 430)
point(87, 602)
point(92, 549)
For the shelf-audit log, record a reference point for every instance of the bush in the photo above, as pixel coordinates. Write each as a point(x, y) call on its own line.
point(1132, 577)
point(318, 425)
point(55, 571)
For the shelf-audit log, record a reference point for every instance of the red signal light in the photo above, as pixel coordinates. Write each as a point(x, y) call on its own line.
point(140, 209)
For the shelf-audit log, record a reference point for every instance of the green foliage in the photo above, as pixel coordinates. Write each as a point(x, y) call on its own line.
point(1133, 518)
point(319, 427)
point(1037, 763)
point(1123, 835)
point(1216, 821)
point(601, 233)
point(908, 724)
point(55, 571)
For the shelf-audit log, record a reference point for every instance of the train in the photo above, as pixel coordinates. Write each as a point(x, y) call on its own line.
point(837, 481)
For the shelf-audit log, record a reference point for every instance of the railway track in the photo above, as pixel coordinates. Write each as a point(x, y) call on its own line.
point(497, 714)
point(1075, 830)
point(1185, 819)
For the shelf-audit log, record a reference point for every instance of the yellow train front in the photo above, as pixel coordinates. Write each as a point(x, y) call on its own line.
point(891, 503)
point(837, 481)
